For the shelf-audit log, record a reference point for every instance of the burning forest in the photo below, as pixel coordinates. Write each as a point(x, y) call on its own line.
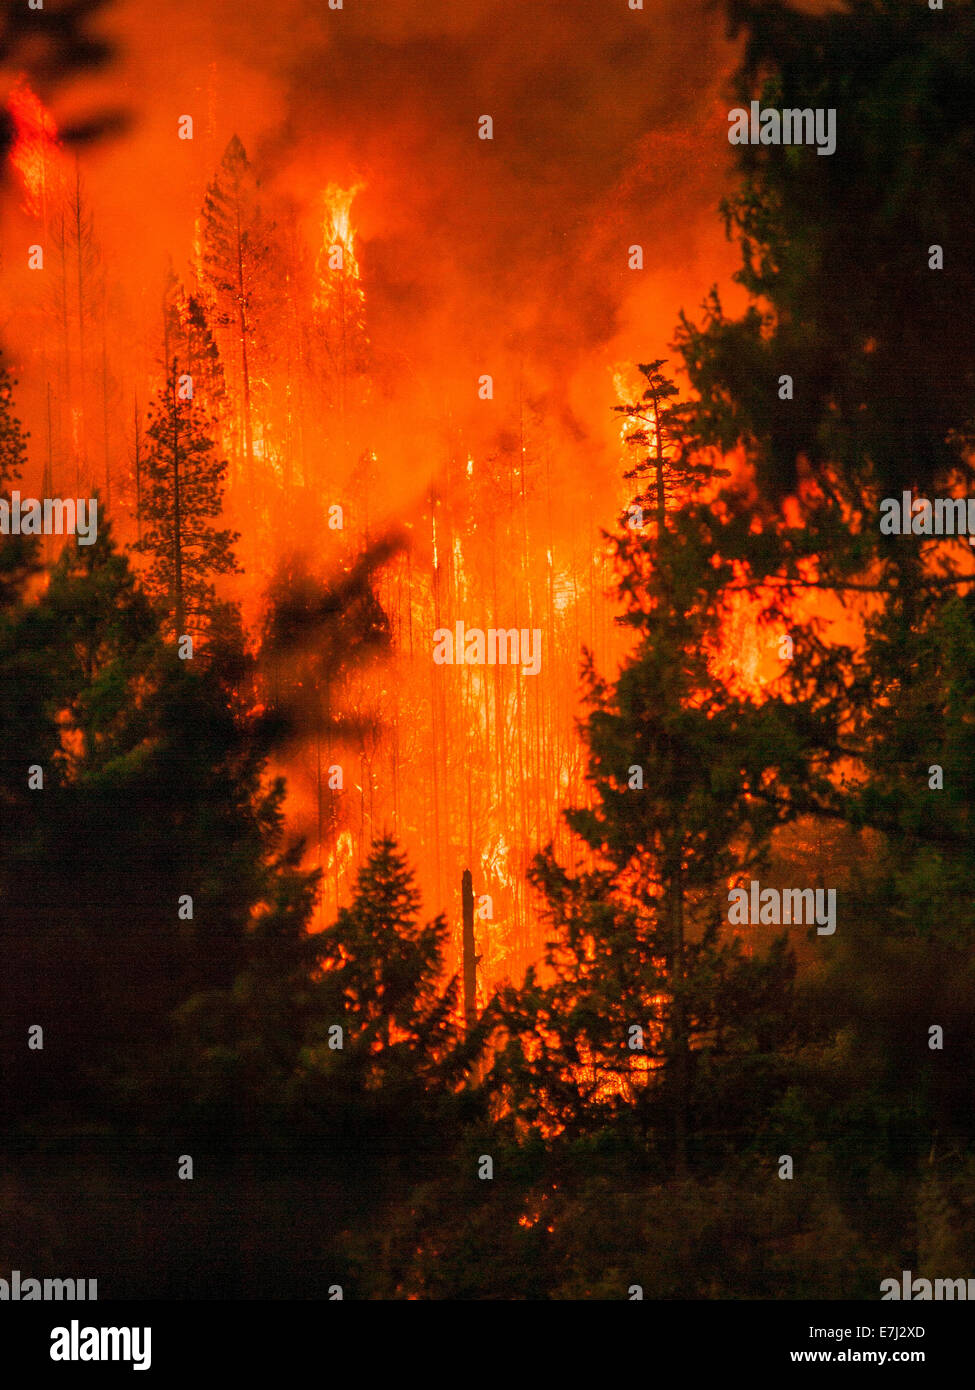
point(451, 655)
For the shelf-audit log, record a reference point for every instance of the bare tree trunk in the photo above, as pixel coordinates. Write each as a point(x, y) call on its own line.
point(658, 462)
point(65, 384)
point(436, 701)
point(177, 518)
point(244, 361)
point(470, 960)
point(105, 438)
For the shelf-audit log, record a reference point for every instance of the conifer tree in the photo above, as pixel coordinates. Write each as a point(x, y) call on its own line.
point(236, 238)
point(679, 765)
point(155, 800)
point(383, 975)
point(353, 1031)
point(182, 496)
point(850, 376)
point(339, 325)
point(872, 324)
point(667, 470)
point(75, 291)
point(187, 339)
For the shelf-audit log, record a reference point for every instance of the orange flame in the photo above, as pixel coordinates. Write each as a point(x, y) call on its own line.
point(337, 255)
point(36, 147)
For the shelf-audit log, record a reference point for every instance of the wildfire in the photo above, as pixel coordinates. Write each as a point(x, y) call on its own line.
point(35, 148)
point(337, 256)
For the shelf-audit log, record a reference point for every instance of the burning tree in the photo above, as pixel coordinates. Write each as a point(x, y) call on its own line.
point(188, 339)
point(234, 270)
point(339, 301)
point(661, 430)
point(182, 496)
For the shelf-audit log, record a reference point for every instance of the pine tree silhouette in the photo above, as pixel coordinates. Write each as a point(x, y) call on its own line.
point(182, 498)
point(385, 970)
point(667, 468)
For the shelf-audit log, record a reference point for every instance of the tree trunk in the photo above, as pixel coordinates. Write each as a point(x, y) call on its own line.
point(177, 519)
point(661, 509)
point(470, 961)
point(105, 424)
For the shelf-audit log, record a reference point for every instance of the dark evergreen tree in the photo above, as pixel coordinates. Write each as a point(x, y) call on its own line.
point(678, 765)
point(383, 980)
point(668, 470)
point(182, 496)
point(839, 254)
point(858, 270)
point(351, 1034)
point(153, 867)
